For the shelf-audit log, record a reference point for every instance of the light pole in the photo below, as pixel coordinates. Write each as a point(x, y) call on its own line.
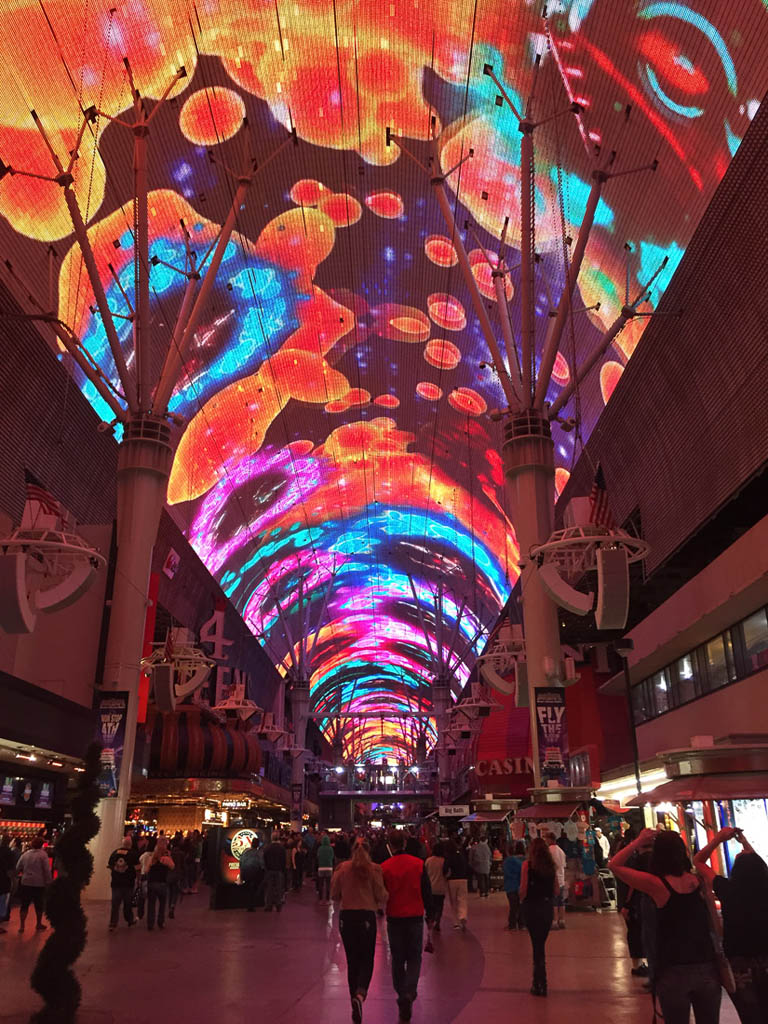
point(146, 451)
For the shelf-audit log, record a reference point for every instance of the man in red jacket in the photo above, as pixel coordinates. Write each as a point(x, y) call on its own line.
point(409, 891)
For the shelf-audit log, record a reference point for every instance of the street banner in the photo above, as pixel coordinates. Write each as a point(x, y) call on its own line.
point(112, 712)
point(297, 800)
point(553, 735)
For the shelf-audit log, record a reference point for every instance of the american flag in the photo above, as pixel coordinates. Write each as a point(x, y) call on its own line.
point(599, 510)
point(36, 492)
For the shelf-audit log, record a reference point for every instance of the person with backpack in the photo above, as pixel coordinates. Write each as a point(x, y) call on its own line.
point(685, 969)
point(744, 901)
point(122, 864)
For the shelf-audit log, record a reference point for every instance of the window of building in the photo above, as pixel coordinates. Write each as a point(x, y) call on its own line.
point(684, 680)
point(755, 632)
point(660, 690)
point(640, 709)
point(733, 654)
point(718, 659)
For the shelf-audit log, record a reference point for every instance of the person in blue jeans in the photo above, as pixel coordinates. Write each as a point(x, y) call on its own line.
point(511, 870)
point(409, 892)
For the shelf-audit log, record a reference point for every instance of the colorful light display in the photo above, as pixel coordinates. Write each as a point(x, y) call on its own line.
point(336, 396)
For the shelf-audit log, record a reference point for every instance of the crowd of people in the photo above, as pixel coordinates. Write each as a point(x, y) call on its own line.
point(683, 948)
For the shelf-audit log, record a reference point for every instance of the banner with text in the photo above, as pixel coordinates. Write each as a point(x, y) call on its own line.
point(112, 712)
point(553, 735)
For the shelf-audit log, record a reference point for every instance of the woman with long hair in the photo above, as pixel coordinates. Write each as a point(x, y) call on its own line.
point(358, 885)
point(538, 888)
point(160, 867)
point(744, 899)
point(434, 865)
point(685, 964)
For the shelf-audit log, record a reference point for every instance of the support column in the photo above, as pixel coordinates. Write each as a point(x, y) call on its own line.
point(300, 713)
point(144, 465)
point(529, 469)
point(441, 697)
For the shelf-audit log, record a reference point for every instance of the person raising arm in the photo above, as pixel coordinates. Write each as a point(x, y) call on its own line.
point(744, 901)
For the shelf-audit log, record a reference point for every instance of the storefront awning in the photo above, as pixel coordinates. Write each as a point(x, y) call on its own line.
point(738, 786)
point(486, 817)
point(544, 812)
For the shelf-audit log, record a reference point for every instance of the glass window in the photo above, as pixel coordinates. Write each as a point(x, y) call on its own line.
point(640, 708)
point(755, 630)
point(685, 687)
point(660, 689)
point(718, 657)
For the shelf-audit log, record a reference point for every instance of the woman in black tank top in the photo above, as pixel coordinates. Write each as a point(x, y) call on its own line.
point(685, 967)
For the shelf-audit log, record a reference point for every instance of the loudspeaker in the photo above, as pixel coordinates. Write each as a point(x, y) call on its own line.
point(164, 684)
point(564, 595)
point(612, 588)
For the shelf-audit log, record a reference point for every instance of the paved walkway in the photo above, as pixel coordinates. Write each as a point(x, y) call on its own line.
point(229, 965)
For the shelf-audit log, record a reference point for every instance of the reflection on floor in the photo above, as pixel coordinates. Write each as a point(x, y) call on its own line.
point(233, 966)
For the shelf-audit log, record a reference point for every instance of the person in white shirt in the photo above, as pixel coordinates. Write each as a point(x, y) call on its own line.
point(34, 870)
point(603, 843)
point(558, 856)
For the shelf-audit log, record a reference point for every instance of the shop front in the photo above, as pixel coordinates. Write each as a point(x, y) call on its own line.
point(43, 737)
point(713, 785)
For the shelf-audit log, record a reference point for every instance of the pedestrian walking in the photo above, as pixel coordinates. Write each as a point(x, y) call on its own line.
point(408, 887)
point(481, 865)
point(538, 888)
point(685, 966)
point(274, 873)
point(34, 872)
point(438, 884)
point(324, 869)
point(358, 885)
point(122, 864)
point(561, 896)
point(512, 868)
point(456, 870)
point(160, 867)
point(744, 900)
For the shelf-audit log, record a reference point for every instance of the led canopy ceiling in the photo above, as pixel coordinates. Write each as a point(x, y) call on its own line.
point(335, 428)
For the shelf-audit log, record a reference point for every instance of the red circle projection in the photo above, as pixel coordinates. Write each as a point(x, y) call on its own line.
point(561, 372)
point(385, 204)
point(307, 192)
point(447, 312)
point(562, 476)
point(343, 209)
point(209, 116)
point(440, 250)
point(609, 378)
point(442, 353)
point(467, 400)
point(388, 401)
point(429, 391)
